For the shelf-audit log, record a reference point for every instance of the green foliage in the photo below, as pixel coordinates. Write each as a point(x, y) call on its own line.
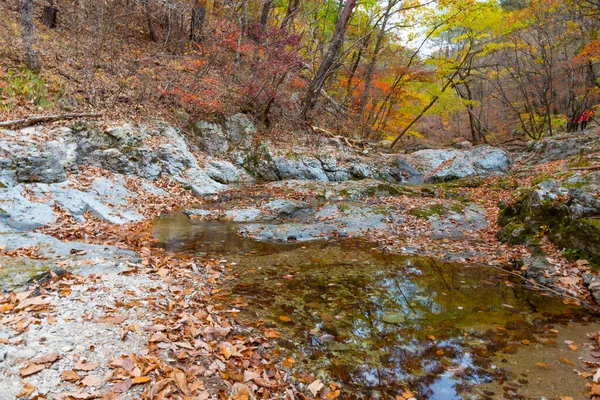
point(24, 87)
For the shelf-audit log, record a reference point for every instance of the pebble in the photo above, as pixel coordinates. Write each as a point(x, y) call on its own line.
point(25, 353)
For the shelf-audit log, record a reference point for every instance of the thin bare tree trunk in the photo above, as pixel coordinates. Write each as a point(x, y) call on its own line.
point(325, 69)
point(151, 32)
point(197, 21)
point(32, 57)
point(291, 11)
point(49, 15)
point(264, 16)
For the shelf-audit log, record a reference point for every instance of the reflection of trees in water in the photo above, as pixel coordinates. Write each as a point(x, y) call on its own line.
point(387, 310)
point(388, 355)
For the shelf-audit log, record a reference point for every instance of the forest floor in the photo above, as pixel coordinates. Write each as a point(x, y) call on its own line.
point(157, 329)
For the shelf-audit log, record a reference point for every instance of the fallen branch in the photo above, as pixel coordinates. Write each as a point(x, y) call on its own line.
point(25, 122)
point(345, 139)
point(593, 168)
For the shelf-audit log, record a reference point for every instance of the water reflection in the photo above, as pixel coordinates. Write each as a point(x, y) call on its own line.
point(379, 324)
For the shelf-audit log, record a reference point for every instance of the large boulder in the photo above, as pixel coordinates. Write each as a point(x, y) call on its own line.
point(18, 212)
point(560, 147)
point(220, 138)
point(447, 165)
point(569, 213)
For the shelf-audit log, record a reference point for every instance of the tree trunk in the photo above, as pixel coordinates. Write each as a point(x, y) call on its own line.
point(264, 16)
point(291, 11)
point(325, 69)
point(31, 55)
point(49, 15)
point(151, 32)
point(197, 21)
point(371, 66)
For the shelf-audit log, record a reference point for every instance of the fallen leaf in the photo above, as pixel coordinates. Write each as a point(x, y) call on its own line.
point(31, 369)
point(46, 358)
point(272, 333)
point(573, 347)
point(408, 394)
point(27, 390)
point(92, 380)
point(526, 342)
point(122, 386)
point(288, 362)
point(70, 376)
point(141, 379)
point(284, 318)
point(163, 272)
point(83, 366)
point(315, 387)
point(596, 377)
point(431, 337)
point(541, 364)
point(180, 380)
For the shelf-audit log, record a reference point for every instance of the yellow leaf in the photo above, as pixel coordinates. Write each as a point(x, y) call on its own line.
point(284, 318)
point(543, 365)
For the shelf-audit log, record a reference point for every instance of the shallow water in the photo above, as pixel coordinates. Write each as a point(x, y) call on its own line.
point(382, 324)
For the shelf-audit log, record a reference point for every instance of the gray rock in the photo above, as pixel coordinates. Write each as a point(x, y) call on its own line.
point(331, 221)
point(225, 172)
point(458, 224)
point(242, 214)
point(39, 167)
point(446, 165)
point(198, 213)
point(299, 167)
point(200, 183)
point(20, 213)
point(106, 200)
point(239, 127)
point(216, 138)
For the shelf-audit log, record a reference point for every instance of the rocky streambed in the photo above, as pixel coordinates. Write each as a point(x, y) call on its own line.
point(354, 251)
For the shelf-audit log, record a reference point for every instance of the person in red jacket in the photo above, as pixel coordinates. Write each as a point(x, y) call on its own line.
point(585, 118)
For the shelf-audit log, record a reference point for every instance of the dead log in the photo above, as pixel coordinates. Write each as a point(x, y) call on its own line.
point(592, 168)
point(37, 119)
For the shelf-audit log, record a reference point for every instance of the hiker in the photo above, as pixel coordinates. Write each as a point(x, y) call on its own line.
point(576, 122)
point(569, 124)
point(585, 118)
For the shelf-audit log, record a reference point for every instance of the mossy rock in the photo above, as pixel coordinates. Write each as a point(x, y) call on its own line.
point(583, 235)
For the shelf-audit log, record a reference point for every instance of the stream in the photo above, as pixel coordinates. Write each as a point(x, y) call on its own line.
point(380, 325)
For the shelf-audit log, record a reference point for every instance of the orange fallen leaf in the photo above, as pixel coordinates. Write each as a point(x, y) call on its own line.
point(46, 358)
point(431, 337)
point(288, 362)
point(83, 366)
point(70, 376)
point(27, 390)
point(272, 333)
point(526, 342)
point(31, 369)
point(284, 318)
point(573, 347)
point(541, 364)
point(141, 379)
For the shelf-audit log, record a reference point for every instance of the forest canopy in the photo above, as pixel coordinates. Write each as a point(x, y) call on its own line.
point(364, 69)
